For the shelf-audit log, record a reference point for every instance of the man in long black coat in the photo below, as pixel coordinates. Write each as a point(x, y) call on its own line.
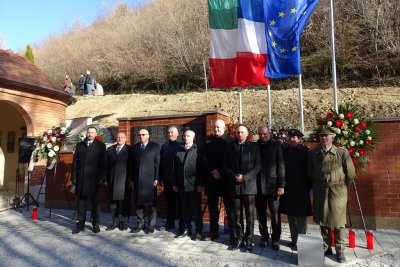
point(270, 186)
point(296, 203)
point(188, 182)
point(88, 173)
point(117, 182)
point(168, 153)
point(241, 165)
point(144, 178)
point(216, 181)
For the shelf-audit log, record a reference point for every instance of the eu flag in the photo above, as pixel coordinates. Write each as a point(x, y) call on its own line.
point(284, 22)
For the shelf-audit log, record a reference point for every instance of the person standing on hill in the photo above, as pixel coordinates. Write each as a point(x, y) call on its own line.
point(82, 84)
point(89, 83)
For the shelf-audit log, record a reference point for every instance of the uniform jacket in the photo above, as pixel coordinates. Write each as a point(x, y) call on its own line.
point(272, 173)
point(88, 167)
point(117, 171)
point(249, 167)
point(296, 200)
point(188, 169)
point(168, 153)
point(144, 171)
point(214, 160)
point(331, 175)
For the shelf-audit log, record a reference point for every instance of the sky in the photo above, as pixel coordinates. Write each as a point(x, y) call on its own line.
point(24, 22)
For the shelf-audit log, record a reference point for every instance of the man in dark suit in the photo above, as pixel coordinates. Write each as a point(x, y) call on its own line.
point(216, 182)
point(88, 172)
point(188, 182)
point(167, 153)
point(242, 164)
point(270, 186)
point(144, 178)
point(117, 181)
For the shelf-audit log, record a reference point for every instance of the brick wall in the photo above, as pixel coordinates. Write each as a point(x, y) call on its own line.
point(39, 113)
point(379, 187)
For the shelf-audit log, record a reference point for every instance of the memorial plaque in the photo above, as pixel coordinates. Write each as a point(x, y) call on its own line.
point(158, 133)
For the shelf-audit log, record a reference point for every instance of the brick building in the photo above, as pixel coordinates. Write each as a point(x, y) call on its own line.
point(29, 104)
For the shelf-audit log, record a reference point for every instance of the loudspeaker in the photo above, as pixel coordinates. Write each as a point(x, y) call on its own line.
point(25, 149)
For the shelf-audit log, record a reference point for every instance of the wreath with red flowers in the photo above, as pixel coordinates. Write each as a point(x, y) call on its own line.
point(353, 132)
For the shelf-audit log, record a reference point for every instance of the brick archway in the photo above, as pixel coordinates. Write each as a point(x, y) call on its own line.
point(24, 114)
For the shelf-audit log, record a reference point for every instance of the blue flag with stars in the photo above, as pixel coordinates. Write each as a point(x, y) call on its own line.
point(285, 20)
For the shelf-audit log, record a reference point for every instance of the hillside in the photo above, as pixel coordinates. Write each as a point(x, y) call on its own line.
point(374, 102)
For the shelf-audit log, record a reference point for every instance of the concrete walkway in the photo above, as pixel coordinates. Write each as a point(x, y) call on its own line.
point(49, 242)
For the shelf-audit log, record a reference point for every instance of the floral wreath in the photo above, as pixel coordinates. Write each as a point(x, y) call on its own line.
point(49, 143)
point(353, 132)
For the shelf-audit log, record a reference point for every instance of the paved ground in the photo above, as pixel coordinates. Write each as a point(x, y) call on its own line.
point(49, 242)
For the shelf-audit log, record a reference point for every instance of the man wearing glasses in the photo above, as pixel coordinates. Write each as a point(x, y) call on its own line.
point(144, 179)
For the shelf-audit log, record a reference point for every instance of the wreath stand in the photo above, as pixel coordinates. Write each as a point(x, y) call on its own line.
point(53, 165)
point(359, 207)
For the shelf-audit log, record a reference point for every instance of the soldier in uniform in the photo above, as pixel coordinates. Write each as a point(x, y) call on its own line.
point(332, 171)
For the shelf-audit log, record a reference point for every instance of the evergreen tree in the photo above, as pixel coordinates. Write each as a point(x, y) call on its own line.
point(29, 54)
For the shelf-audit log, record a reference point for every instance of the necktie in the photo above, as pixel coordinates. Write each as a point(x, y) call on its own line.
point(240, 151)
point(142, 147)
point(88, 143)
point(118, 149)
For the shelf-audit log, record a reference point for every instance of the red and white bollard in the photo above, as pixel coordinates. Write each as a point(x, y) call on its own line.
point(34, 213)
point(332, 237)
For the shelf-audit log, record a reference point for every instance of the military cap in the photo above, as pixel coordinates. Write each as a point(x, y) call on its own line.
point(295, 132)
point(326, 130)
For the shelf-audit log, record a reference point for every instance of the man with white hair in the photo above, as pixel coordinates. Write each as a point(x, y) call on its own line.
point(188, 182)
point(144, 179)
point(332, 171)
point(216, 181)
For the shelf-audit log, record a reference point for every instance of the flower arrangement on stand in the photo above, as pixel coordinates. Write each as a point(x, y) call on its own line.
point(353, 132)
point(49, 143)
point(230, 130)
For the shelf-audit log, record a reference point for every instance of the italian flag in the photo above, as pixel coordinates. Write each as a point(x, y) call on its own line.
point(238, 52)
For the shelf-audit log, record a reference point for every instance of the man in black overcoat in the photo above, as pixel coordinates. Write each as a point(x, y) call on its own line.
point(270, 186)
point(144, 178)
point(216, 181)
point(117, 182)
point(241, 165)
point(88, 173)
point(168, 153)
point(296, 202)
point(188, 182)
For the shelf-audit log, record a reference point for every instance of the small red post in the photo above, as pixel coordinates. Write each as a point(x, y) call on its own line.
point(352, 238)
point(370, 240)
point(34, 213)
point(333, 238)
point(226, 226)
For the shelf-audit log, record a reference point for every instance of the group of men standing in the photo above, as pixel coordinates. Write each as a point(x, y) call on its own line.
point(240, 173)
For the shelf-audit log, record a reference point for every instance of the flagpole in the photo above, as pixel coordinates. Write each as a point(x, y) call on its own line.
point(301, 103)
point(240, 105)
point(269, 106)
point(205, 80)
point(335, 104)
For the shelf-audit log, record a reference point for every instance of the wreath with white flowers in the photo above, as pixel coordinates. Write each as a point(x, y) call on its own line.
point(49, 143)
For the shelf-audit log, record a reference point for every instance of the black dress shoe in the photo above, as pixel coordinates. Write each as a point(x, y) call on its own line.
point(123, 226)
point(198, 237)
point(77, 230)
point(214, 236)
point(249, 246)
point(112, 227)
point(275, 246)
point(184, 233)
point(150, 230)
point(169, 226)
point(340, 257)
point(264, 243)
point(237, 245)
point(328, 252)
point(96, 229)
